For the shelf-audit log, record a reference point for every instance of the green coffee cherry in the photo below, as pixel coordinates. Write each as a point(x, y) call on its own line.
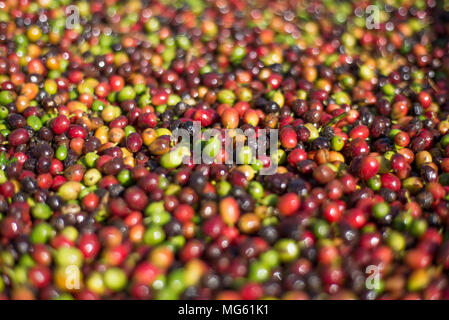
point(41, 211)
point(69, 256)
point(287, 249)
point(115, 279)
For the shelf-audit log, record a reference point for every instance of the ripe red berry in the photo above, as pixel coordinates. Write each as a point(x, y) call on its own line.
point(134, 142)
point(251, 291)
point(18, 137)
point(60, 124)
point(369, 166)
point(360, 131)
point(425, 99)
point(10, 227)
point(184, 213)
point(390, 181)
point(145, 273)
point(76, 131)
point(359, 147)
point(332, 212)
point(89, 245)
point(288, 137)
point(295, 156)
point(39, 276)
point(90, 202)
point(159, 98)
point(356, 218)
point(289, 203)
point(136, 198)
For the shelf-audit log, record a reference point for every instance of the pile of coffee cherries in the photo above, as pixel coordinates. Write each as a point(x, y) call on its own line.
point(95, 203)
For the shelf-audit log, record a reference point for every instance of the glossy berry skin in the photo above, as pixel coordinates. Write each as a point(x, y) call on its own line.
point(40, 276)
point(10, 227)
point(295, 156)
point(134, 142)
point(230, 118)
point(425, 99)
point(229, 210)
point(360, 131)
point(359, 147)
point(402, 139)
point(89, 245)
point(18, 136)
point(145, 273)
point(60, 124)
point(76, 131)
point(368, 167)
point(390, 181)
point(398, 162)
point(136, 198)
point(288, 138)
point(160, 98)
point(332, 212)
point(356, 218)
point(184, 213)
point(251, 291)
point(349, 183)
point(289, 204)
point(90, 202)
point(213, 227)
